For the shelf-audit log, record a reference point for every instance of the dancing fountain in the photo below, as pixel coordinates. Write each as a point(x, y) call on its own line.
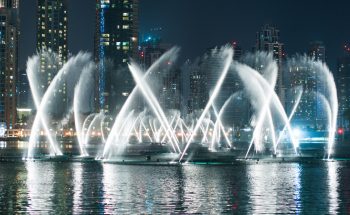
point(171, 134)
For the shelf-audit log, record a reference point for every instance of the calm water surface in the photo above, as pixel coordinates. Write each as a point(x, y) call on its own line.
point(244, 188)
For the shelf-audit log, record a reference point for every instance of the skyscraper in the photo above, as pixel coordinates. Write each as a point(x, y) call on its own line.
point(240, 113)
point(23, 90)
point(151, 49)
point(9, 31)
point(317, 52)
point(238, 51)
point(199, 95)
point(116, 41)
point(303, 72)
point(52, 37)
point(343, 84)
point(300, 75)
point(268, 39)
point(168, 76)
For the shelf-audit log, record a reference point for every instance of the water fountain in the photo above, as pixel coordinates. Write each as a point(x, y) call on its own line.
point(173, 133)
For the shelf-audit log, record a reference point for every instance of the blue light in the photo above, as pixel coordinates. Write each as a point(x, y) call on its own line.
point(101, 63)
point(148, 39)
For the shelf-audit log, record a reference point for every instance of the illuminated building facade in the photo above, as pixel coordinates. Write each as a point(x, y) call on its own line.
point(302, 75)
point(198, 96)
point(9, 32)
point(343, 85)
point(317, 52)
point(116, 41)
point(52, 29)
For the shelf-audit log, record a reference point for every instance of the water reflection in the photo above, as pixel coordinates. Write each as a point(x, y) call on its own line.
point(274, 188)
point(145, 189)
point(247, 188)
point(3, 144)
point(40, 185)
point(92, 190)
point(211, 194)
point(12, 192)
point(333, 187)
point(77, 188)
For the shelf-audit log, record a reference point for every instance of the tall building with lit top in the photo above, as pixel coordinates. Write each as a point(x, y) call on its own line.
point(116, 41)
point(52, 29)
point(9, 32)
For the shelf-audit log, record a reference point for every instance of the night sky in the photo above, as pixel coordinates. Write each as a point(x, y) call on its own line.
point(196, 25)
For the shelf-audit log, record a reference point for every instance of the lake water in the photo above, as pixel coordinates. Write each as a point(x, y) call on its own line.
point(318, 187)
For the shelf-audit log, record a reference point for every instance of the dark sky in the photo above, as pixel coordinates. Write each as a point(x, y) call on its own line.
point(196, 25)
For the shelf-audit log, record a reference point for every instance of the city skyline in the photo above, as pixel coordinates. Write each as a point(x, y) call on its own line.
point(195, 31)
point(116, 28)
point(174, 107)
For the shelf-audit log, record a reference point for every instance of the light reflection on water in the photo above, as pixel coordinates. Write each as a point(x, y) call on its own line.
point(279, 185)
point(77, 188)
point(333, 186)
point(39, 184)
point(247, 188)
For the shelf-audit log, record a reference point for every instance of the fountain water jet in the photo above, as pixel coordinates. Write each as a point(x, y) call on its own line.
point(152, 101)
point(169, 127)
point(72, 68)
point(85, 78)
point(171, 54)
point(228, 56)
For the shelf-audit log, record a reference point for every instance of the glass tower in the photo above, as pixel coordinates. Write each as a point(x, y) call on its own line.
point(9, 31)
point(116, 41)
point(52, 38)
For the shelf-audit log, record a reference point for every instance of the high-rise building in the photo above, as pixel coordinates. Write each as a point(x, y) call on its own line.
point(52, 29)
point(23, 90)
point(9, 32)
point(310, 112)
point(24, 100)
point(238, 51)
point(268, 39)
point(240, 114)
point(343, 85)
point(198, 96)
point(317, 52)
point(116, 41)
point(167, 75)
point(302, 76)
point(204, 76)
point(151, 48)
point(171, 91)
